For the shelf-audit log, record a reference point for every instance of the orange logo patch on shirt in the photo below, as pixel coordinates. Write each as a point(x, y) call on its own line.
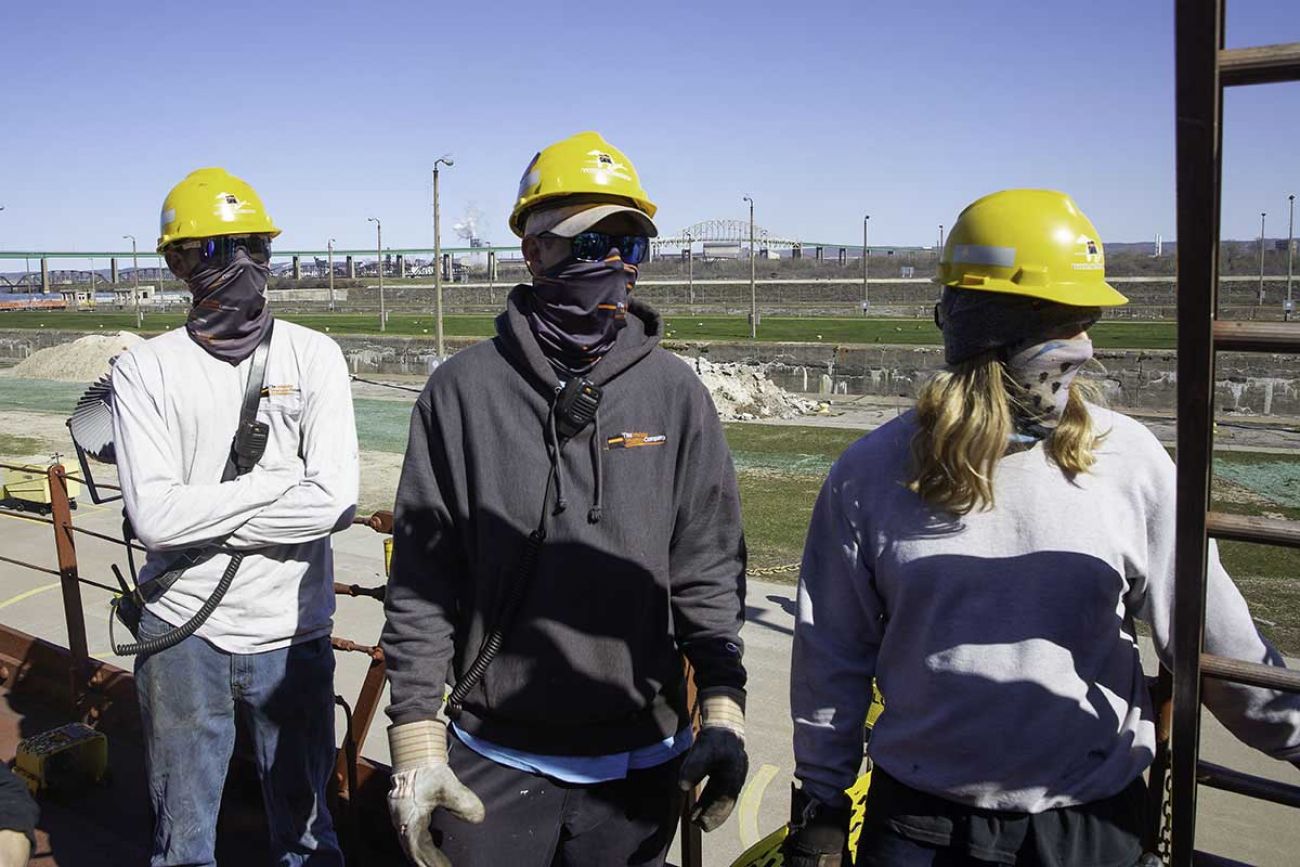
point(635, 440)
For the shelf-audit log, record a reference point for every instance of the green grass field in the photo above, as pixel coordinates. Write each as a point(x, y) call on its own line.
point(827, 329)
point(781, 470)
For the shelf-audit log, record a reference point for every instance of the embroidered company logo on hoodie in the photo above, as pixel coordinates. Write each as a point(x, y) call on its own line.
point(635, 440)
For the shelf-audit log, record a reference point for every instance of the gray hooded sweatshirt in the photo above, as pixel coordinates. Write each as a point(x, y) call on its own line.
point(645, 563)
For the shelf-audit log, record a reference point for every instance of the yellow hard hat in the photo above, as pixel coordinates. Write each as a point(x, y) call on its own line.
point(1028, 242)
point(582, 165)
point(211, 202)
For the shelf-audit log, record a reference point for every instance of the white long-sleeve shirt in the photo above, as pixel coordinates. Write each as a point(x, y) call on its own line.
point(175, 413)
point(1003, 640)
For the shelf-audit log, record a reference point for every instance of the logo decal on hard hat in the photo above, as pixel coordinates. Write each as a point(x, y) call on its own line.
point(603, 168)
point(1090, 251)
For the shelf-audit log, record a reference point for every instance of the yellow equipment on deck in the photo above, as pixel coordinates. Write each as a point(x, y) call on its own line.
point(28, 490)
point(767, 852)
point(62, 758)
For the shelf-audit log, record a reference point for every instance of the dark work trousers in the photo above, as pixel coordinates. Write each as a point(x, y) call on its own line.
point(534, 821)
point(908, 828)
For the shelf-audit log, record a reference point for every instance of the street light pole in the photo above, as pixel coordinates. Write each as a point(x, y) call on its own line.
point(690, 269)
point(753, 292)
point(1262, 215)
point(135, 262)
point(330, 254)
point(379, 263)
point(437, 255)
point(1290, 250)
point(866, 257)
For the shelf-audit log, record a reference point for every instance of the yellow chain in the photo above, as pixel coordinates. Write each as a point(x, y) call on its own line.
point(772, 570)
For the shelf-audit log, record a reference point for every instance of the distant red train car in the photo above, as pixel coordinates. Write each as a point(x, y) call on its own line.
point(35, 301)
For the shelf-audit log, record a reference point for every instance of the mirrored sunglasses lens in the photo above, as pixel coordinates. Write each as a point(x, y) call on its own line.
point(590, 246)
point(633, 248)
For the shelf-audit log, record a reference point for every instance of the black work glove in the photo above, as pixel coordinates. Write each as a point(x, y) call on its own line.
point(719, 754)
point(819, 833)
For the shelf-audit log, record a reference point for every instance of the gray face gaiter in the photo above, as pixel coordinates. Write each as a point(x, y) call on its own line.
point(1042, 373)
point(576, 310)
point(229, 315)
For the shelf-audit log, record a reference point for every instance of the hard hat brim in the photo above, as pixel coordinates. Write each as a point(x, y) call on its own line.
point(1071, 295)
point(571, 220)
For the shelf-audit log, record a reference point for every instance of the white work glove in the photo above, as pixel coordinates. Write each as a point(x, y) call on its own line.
point(719, 754)
point(422, 782)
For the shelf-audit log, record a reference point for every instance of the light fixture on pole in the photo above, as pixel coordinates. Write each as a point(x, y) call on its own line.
point(330, 263)
point(437, 254)
point(1290, 251)
point(1262, 216)
point(379, 265)
point(866, 257)
point(135, 273)
point(753, 292)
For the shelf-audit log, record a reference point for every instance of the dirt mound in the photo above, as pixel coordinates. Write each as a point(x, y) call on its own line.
point(743, 392)
point(83, 360)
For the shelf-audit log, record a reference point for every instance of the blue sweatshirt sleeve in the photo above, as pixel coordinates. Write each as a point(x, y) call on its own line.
point(838, 631)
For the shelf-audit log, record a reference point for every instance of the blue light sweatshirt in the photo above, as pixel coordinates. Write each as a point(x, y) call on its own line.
point(1003, 640)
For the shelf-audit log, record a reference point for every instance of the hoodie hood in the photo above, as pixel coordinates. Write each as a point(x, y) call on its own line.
point(635, 341)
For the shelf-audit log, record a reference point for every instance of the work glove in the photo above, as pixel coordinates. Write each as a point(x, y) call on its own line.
point(819, 833)
point(719, 754)
point(422, 782)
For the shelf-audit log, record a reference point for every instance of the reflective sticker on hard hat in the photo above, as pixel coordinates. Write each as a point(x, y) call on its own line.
point(168, 216)
point(982, 254)
point(530, 178)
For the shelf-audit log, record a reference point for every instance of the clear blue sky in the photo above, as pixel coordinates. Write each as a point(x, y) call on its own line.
point(822, 111)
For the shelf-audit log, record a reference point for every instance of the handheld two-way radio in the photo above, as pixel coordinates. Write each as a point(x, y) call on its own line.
point(575, 407)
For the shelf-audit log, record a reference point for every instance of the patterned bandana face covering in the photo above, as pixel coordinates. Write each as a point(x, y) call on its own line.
point(229, 315)
point(1042, 373)
point(576, 310)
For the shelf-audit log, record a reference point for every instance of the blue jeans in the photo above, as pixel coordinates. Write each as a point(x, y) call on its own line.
point(189, 697)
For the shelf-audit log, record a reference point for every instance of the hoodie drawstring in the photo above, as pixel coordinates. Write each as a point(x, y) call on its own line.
point(557, 466)
point(598, 465)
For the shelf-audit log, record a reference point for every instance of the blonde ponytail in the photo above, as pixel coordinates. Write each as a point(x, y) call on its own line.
point(964, 428)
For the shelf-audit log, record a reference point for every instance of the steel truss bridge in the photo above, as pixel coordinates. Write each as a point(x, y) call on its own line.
point(724, 232)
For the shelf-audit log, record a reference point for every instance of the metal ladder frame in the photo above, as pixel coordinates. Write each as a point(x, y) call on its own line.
point(1204, 68)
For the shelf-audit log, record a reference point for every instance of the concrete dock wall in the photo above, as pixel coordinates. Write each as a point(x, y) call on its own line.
point(1135, 379)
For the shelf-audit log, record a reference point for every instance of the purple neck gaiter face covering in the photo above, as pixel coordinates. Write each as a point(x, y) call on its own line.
point(229, 315)
point(576, 310)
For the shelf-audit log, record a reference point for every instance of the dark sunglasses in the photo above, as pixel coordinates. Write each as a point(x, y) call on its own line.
point(596, 247)
point(185, 257)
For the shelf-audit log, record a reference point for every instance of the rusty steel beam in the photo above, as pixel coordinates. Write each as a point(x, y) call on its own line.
point(1198, 37)
point(692, 837)
point(66, 549)
point(1250, 673)
point(380, 522)
point(363, 714)
point(357, 590)
point(1229, 780)
point(1261, 64)
point(1252, 528)
point(1236, 336)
